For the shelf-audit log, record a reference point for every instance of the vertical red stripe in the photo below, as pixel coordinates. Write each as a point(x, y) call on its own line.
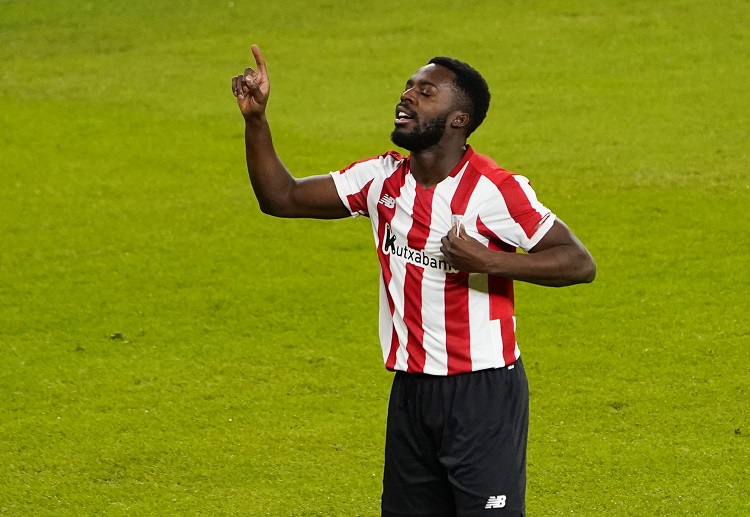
point(390, 363)
point(465, 188)
point(519, 207)
point(501, 297)
point(416, 239)
point(457, 329)
point(500, 288)
point(358, 200)
point(509, 340)
point(413, 318)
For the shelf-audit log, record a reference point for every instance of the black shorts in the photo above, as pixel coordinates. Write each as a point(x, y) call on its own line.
point(456, 446)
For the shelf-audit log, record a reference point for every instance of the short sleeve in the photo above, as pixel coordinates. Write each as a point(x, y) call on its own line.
point(353, 182)
point(518, 218)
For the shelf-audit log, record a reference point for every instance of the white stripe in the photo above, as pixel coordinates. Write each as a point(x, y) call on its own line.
point(496, 332)
point(479, 315)
point(343, 186)
point(385, 327)
point(527, 243)
point(402, 354)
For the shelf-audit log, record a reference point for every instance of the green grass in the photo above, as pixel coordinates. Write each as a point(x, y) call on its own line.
point(165, 349)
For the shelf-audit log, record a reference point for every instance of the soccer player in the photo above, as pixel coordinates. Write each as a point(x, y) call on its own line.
point(447, 223)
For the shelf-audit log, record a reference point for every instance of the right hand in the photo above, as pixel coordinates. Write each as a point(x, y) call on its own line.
point(252, 88)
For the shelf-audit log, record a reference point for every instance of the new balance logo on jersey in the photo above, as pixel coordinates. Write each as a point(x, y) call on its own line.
point(495, 501)
point(417, 257)
point(388, 201)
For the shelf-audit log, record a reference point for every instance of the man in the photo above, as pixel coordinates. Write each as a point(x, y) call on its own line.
point(447, 223)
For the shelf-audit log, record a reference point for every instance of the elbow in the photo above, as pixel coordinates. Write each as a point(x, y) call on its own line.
point(590, 275)
point(276, 202)
point(273, 208)
point(269, 208)
point(587, 270)
point(580, 269)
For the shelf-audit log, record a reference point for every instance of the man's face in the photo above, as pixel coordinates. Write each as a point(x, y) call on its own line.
point(426, 105)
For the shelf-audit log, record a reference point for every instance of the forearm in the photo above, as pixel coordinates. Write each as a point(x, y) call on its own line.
point(271, 181)
point(279, 193)
point(553, 267)
point(557, 260)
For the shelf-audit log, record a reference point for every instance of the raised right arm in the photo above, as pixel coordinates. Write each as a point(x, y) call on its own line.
point(279, 193)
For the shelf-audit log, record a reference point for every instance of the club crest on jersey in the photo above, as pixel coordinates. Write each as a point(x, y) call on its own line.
point(417, 257)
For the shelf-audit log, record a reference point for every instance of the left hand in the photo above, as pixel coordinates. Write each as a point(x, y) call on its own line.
point(252, 88)
point(465, 253)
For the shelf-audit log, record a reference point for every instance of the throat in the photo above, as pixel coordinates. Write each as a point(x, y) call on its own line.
point(430, 168)
point(429, 180)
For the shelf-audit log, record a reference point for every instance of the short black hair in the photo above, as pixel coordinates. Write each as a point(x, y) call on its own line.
point(471, 85)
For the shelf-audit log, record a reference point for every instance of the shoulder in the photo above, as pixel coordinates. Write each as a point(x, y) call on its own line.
point(386, 161)
point(515, 189)
point(491, 171)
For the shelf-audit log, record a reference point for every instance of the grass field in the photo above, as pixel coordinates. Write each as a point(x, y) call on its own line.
point(165, 349)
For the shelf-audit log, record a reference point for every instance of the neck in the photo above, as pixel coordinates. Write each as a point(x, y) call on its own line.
point(431, 166)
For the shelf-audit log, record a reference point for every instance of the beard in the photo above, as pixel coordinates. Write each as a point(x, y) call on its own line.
point(421, 138)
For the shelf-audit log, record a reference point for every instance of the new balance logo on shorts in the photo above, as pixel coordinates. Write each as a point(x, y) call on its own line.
point(495, 501)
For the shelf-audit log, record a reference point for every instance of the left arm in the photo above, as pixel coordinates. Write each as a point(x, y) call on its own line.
point(558, 260)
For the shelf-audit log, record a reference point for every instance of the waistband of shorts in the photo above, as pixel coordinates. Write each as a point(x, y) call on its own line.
point(429, 376)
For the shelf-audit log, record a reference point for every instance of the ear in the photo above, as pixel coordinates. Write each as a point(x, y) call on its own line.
point(460, 120)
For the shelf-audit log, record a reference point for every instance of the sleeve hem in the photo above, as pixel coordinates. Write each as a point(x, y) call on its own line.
point(545, 226)
point(340, 189)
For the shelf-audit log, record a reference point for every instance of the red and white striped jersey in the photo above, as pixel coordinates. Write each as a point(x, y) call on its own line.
point(434, 319)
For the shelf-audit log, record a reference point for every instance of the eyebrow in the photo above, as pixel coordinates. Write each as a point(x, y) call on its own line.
point(421, 82)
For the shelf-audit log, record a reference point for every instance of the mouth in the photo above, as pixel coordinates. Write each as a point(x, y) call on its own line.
point(403, 115)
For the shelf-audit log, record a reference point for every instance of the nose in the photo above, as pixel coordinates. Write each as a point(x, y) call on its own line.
point(408, 95)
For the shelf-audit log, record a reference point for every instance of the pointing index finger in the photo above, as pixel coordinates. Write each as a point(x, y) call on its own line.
point(261, 64)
